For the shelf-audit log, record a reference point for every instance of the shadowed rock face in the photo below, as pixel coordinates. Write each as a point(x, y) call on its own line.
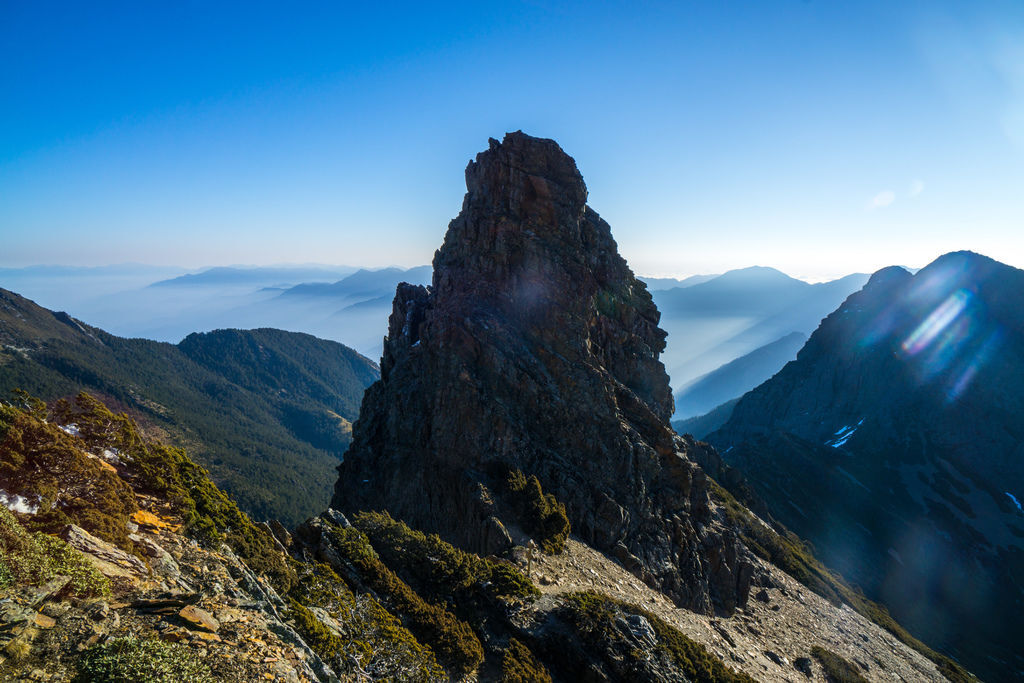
point(895, 444)
point(536, 348)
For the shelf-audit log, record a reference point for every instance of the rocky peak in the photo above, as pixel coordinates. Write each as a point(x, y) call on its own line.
point(536, 349)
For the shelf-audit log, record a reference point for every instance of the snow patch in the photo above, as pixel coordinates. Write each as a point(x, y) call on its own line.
point(71, 429)
point(1015, 501)
point(18, 503)
point(110, 455)
point(843, 435)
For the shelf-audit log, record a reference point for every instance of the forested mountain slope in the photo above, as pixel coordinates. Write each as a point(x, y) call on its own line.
point(268, 412)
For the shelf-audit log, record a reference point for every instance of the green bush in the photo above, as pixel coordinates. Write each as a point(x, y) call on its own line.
point(593, 616)
point(6, 575)
point(837, 669)
point(32, 559)
point(120, 660)
point(374, 640)
point(41, 462)
point(168, 473)
point(518, 665)
point(439, 569)
point(453, 641)
point(540, 514)
point(372, 636)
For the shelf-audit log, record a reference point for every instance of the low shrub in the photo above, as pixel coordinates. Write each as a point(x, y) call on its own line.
point(837, 669)
point(168, 473)
point(32, 559)
point(456, 646)
point(594, 617)
point(132, 659)
point(373, 640)
point(439, 569)
point(53, 470)
point(540, 514)
point(518, 665)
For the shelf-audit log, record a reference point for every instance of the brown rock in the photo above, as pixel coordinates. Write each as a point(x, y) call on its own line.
point(209, 637)
point(199, 617)
point(110, 560)
point(149, 520)
point(173, 636)
point(43, 621)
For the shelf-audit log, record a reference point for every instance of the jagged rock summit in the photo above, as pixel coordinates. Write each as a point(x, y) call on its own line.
point(537, 349)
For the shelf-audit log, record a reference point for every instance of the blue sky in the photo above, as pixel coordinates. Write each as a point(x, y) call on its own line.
point(818, 137)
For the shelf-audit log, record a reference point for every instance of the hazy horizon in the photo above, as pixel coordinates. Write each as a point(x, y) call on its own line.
point(333, 266)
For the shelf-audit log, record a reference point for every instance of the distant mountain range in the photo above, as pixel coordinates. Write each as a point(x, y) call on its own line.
point(655, 284)
point(715, 322)
point(711, 319)
point(895, 444)
point(339, 303)
point(262, 276)
point(268, 412)
point(737, 377)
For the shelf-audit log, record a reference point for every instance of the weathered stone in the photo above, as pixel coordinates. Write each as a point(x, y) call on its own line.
point(199, 618)
point(173, 636)
point(36, 595)
point(11, 614)
point(43, 621)
point(496, 537)
point(149, 520)
point(778, 659)
point(762, 596)
point(537, 349)
point(108, 559)
point(161, 560)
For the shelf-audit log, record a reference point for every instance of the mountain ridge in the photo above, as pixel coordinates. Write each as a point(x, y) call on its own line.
point(252, 438)
point(901, 410)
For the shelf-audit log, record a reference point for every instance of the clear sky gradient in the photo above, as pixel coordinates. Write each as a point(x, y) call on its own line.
point(818, 137)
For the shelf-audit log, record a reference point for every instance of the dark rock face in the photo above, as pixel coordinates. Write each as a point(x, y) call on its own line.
point(537, 349)
point(895, 444)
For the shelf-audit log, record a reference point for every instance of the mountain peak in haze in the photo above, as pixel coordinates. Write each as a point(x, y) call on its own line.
point(753, 274)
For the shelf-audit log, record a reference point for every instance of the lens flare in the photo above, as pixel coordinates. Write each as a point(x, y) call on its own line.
point(979, 359)
point(948, 311)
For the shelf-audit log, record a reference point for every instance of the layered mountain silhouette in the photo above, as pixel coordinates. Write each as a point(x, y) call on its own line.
point(338, 303)
point(737, 377)
point(363, 285)
point(715, 322)
point(268, 412)
point(256, 276)
point(655, 284)
point(895, 444)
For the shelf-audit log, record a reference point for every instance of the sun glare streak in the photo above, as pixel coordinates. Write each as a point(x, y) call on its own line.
point(980, 358)
point(935, 323)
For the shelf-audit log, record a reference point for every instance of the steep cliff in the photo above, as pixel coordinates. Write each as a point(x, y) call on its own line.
point(894, 444)
point(536, 349)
